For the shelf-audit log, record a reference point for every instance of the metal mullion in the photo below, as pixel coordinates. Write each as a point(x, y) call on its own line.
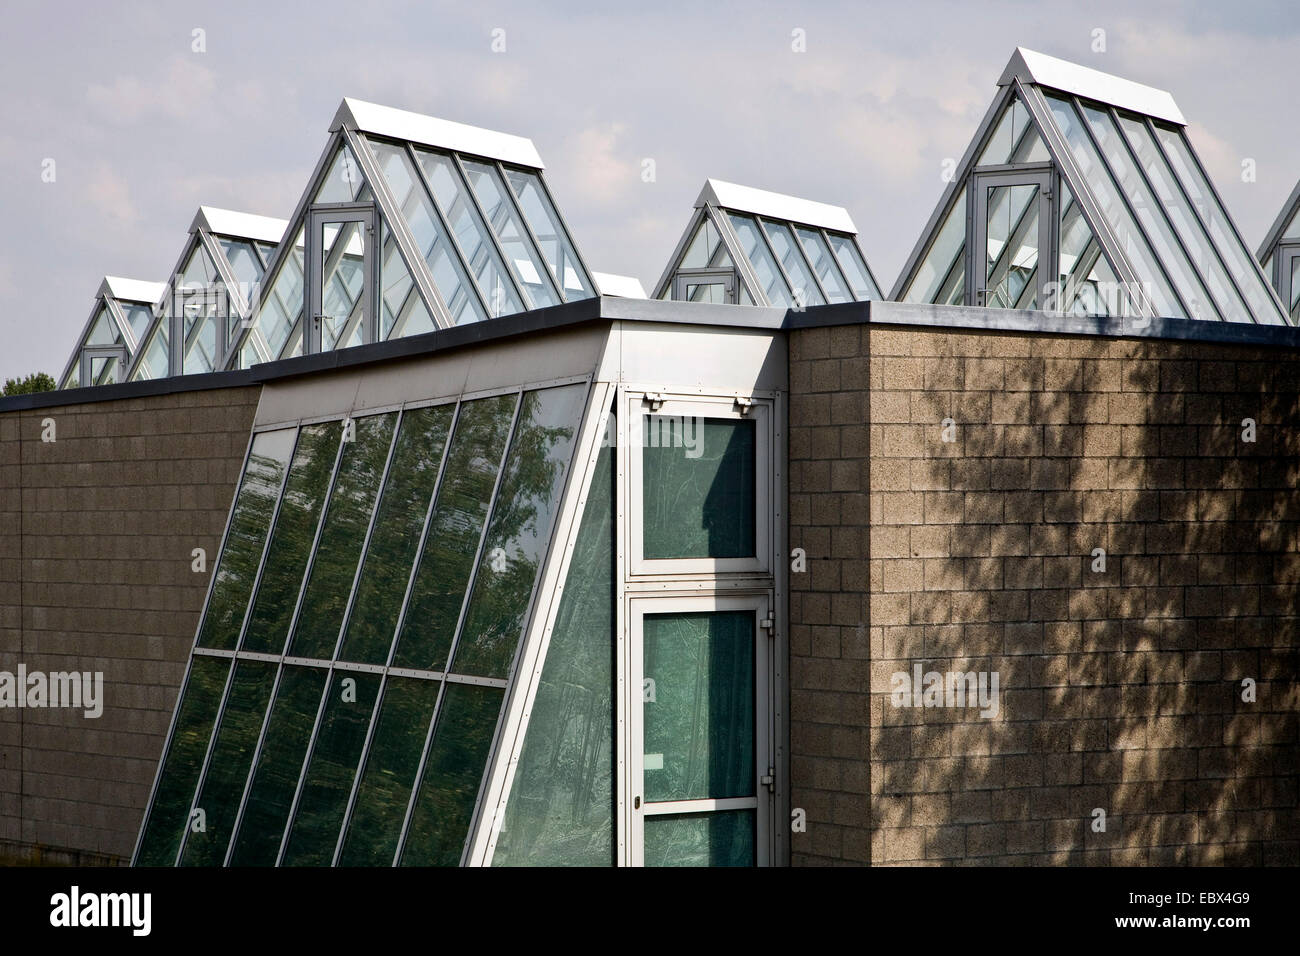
point(308, 753)
point(564, 228)
point(760, 224)
point(556, 281)
point(123, 327)
point(455, 640)
point(467, 268)
point(361, 766)
point(949, 196)
point(835, 264)
point(1124, 198)
point(1199, 218)
point(284, 250)
point(403, 314)
point(207, 759)
point(1059, 149)
point(408, 249)
point(491, 232)
point(157, 774)
point(252, 763)
point(679, 251)
point(355, 316)
point(799, 251)
point(745, 268)
point(231, 283)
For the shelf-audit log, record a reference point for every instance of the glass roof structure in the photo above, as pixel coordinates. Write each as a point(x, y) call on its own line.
point(1280, 255)
point(752, 247)
point(1081, 194)
point(119, 321)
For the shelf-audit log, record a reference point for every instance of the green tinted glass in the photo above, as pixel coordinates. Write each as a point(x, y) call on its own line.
point(391, 766)
point(334, 565)
point(250, 520)
point(395, 539)
point(699, 705)
point(699, 491)
point(279, 764)
point(520, 529)
point(561, 802)
point(454, 532)
point(700, 839)
point(184, 761)
point(232, 754)
point(291, 541)
point(452, 774)
point(328, 782)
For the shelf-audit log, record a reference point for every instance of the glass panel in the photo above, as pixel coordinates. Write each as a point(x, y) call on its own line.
point(545, 224)
point(156, 359)
point(138, 318)
point(699, 491)
point(448, 273)
point(699, 705)
point(394, 759)
point(1015, 139)
point(103, 369)
point(281, 306)
point(344, 181)
point(402, 309)
point(169, 815)
point(291, 541)
point(200, 351)
point(244, 263)
point(1293, 229)
point(706, 250)
point(1207, 265)
point(74, 375)
point(343, 248)
point(471, 234)
point(1294, 305)
point(700, 839)
point(520, 529)
point(505, 223)
point(334, 758)
point(805, 289)
point(560, 811)
point(715, 292)
point(334, 564)
point(823, 263)
point(270, 796)
point(396, 535)
point(452, 776)
point(259, 489)
point(855, 268)
point(232, 754)
point(1150, 215)
point(1107, 195)
point(1086, 279)
point(769, 277)
point(104, 331)
point(1011, 247)
point(943, 262)
point(1241, 264)
point(454, 532)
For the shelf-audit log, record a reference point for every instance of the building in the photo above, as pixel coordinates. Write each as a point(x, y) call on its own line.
point(399, 543)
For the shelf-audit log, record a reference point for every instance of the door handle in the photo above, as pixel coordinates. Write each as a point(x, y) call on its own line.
point(636, 803)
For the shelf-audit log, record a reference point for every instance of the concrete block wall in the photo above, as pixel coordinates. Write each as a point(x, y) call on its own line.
point(96, 534)
point(1121, 689)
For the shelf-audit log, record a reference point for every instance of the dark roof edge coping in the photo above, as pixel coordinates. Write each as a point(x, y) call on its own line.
point(106, 393)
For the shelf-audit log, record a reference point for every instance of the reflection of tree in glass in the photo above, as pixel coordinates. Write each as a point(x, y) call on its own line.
point(334, 565)
point(291, 541)
point(520, 529)
point(249, 523)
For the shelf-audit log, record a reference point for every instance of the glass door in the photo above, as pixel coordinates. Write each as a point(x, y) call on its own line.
point(1013, 232)
point(708, 285)
point(701, 773)
point(341, 267)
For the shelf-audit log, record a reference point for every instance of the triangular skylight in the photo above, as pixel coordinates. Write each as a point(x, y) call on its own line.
point(118, 323)
point(752, 247)
point(1280, 254)
point(1095, 175)
point(466, 231)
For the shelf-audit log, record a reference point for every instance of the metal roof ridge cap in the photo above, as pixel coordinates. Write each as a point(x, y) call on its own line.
point(434, 131)
point(1055, 73)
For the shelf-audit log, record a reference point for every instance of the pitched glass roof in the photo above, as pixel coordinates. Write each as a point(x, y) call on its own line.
point(359, 636)
point(119, 319)
point(753, 247)
point(1280, 254)
point(1086, 197)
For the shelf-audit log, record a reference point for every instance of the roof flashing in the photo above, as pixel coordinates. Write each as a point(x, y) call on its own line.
point(1048, 71)
point(239, 225)
point(439, 133)
point(132, 290)
point(772, 205)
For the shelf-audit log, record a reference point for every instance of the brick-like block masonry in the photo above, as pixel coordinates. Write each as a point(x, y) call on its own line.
point(97, 529)
point(1121, 690)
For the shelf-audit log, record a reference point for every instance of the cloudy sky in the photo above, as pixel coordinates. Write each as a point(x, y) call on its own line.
point(142, 129)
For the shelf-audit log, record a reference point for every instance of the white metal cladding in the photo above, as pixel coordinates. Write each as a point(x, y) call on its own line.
point(132, 290)
point(1032, 67)
point(240, 225)
point(625, 287)
point(431, 131)
point(775, 206)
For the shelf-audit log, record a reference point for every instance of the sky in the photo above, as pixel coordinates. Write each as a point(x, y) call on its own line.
point(143, 122)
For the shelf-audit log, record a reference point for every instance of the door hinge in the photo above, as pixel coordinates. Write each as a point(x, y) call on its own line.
point(744, 404)
point(769, 779)
point(766, 624)
point(655, 400)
